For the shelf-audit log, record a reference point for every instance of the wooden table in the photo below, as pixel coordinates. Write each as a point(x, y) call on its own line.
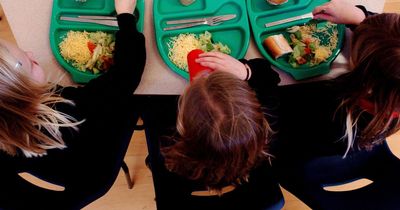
point(30, 21)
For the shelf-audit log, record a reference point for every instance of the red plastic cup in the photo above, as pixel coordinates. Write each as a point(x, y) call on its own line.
point(195, 69)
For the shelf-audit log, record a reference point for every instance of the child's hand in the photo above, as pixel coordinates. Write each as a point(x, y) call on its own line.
point(125, 6)
point(339, 11)
point(222, 62)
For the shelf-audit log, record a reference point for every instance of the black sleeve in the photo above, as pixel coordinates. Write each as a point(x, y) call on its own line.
point(264, 81)
point(366, 13)
point(123, 77)
point(263, 77)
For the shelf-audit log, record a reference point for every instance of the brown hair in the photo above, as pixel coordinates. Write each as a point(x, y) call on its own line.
point(28, 122)
point(375, 57)
point(222, 132)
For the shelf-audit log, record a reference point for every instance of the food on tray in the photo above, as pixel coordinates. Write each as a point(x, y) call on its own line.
point(88, 51)
point(277, 2)
point(277, 45)
point(311, 44)
point(179, 47)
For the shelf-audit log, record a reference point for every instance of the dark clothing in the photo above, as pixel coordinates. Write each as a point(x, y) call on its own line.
point(311, 121)
point(310, 148)
point(309, 125)
point(264, 81)
point(295, 110)
point(304, 116)
point(89, 165)
point(310, 145)
point(173, 191)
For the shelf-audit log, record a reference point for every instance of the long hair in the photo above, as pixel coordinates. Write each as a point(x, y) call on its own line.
point(222, 132)
point(375, 59)
point(28, 122)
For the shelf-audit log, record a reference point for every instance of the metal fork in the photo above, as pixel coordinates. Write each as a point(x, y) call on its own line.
point(211, 21)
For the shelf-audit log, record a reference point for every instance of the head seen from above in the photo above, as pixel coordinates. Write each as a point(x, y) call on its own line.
point(375, 59)
point(26, 102)
point(222, 132)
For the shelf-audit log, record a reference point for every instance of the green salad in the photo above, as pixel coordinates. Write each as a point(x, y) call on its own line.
point(179, 47)
point(88, 51)
point(207, 45)
point(312, 44)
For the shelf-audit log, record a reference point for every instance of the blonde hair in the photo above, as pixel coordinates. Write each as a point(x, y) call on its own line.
point(375, 56)
point(222, 130)
point(28, 121)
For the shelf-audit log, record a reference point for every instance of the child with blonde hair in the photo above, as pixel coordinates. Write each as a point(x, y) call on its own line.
point(75, 137)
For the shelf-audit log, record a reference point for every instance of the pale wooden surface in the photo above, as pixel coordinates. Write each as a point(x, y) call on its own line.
point(141, 197)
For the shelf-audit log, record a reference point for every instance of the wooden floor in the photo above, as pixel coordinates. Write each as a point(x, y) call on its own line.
point(141, 197)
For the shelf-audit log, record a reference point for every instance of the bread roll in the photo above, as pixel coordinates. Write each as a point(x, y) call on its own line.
point(277, 45)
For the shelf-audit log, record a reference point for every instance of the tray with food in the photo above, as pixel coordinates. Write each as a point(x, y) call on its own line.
point(82, 35)
point(183, 25)
point(291, 40)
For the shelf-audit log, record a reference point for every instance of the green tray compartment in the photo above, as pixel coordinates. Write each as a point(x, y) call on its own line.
point(235, 33)
point(90, 5)
point(261, 13)
point(58, 29)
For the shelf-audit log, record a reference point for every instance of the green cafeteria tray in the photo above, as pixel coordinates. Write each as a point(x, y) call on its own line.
point(260, 13)
point(235, 33)
point(59, 29)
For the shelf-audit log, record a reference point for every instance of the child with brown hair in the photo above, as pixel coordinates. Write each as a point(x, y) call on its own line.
point(371, 88)
point(214, 140)
point(334, 131)
point(343, 117)
point(222, 132)
point(358, 109)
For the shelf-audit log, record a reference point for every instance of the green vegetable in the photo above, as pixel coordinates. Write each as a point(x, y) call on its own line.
point(95, 70)
point(222, 48)
point(104, 48)
point(311, 43)
point(208, 45)
point(298, 51)
point(298, 35)
point(312, 46)
point(293, 62)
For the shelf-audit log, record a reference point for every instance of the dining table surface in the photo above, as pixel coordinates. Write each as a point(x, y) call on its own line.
point(30, 23)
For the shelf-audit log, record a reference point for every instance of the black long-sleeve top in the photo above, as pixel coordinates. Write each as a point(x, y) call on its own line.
point(305, 116)
point(89, 165)
point(173, 191)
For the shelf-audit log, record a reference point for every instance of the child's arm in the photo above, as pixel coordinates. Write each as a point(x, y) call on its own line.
point(258, 72)
point(340, 12)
